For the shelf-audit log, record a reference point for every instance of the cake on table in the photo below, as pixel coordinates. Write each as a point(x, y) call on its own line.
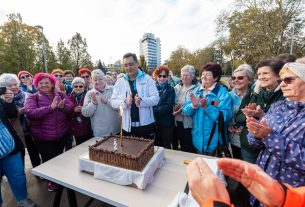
point(134, 155)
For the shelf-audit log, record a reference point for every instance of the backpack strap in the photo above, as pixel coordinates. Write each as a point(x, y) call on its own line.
point(36, 98)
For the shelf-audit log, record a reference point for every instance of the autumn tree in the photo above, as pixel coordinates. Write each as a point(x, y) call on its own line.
point(63, 56)
point(261, 29)
point(79, 54)
point(179, 58)
point(21, 46)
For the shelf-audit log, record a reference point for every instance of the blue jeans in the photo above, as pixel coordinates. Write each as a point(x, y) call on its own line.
point(12, 167)
point(247, 156)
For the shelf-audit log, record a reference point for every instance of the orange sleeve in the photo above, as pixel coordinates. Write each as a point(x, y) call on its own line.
point(294, 197)
point(214, 203)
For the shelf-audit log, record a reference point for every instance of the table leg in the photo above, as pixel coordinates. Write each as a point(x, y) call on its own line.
point(57, 198)
point(71, 198)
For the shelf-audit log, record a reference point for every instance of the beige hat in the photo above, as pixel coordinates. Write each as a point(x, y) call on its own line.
point(296, 68)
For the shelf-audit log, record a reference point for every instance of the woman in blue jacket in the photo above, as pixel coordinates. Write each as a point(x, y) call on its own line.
point(205, 104)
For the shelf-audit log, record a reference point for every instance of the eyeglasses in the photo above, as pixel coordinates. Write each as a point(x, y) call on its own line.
point(238, 77)
point(288, 80)
point(76, 86)
point(58, 76)
point(25, 76)
point(86, 76)
point(162, 76)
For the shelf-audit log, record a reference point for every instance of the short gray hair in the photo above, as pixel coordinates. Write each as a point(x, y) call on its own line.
point(98, 73)
point(78, 80)
point(7, 78)
point(247, 69)
point(189, 69)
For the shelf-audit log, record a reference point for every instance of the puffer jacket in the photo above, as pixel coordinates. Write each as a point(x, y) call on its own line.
point(45, 124)
point(204, 119)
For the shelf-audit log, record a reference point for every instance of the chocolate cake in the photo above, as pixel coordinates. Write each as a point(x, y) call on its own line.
point(134, 155)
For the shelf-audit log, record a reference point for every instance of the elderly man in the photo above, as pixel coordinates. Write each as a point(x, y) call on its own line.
point(137, 94)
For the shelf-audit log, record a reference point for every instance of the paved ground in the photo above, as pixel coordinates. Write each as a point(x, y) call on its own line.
point(37, 191)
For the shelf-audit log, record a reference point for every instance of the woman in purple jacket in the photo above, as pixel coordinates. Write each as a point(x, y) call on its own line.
point(48, 111)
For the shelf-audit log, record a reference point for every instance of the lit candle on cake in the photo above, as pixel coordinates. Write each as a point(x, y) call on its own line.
point(121, 123)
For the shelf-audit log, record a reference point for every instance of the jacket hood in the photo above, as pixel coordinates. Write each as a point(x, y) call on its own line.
point(139, 75)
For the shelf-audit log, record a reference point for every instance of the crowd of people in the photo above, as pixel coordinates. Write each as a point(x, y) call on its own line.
point(46, 113)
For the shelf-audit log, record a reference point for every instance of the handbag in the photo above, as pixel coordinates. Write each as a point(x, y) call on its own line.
point(222, 150)
point(7, 143)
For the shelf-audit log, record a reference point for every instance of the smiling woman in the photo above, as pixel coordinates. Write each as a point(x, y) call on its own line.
point(280, 135)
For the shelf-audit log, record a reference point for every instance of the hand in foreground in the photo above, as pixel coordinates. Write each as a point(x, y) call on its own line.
point(93, 98)
point(78, 109)
point(260, 184)
point(204, 183)
point(258, 129)
point(129, 100)
point(177, 109)
point(54, 102)
point(61, 104)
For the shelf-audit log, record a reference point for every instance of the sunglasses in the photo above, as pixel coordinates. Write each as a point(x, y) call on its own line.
point(162, 76)
point(238, 77)
point(25, 76)
point(58, 76)
point(78, 86)
point(288, 80)
point(86, 76)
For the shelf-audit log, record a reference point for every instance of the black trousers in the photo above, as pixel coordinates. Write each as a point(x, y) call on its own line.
point(82, 139)
point(164, 136)
point(50, 149)
point(185, 137)
point(147, 131)
point(236, 152)
point(32, 150)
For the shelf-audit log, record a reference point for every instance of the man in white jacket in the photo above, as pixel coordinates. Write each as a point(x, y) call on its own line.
point(137, 94)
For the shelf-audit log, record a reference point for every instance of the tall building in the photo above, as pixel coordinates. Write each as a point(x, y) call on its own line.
point(150, 48)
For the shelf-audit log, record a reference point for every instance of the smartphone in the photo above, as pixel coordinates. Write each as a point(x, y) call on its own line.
point(2, 90)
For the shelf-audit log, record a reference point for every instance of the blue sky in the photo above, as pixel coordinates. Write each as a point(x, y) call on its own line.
point(114, 27)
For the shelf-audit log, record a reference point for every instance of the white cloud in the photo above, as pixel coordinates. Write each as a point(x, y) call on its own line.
point(114, 27)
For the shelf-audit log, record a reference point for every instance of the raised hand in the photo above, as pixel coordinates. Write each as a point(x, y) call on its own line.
point(103, 99)
point(194, 100)
point(129, 100)
point(177, 109)
point(258, 183)
point(203, 102)
point(61, 104)
point(137, 100)
point(258, 129)
point(78, 109)
point(93, 98)
point(204, 183)
point(252, 110)
point(54, 103)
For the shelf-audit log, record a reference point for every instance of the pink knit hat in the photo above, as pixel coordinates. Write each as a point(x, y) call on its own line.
point(39, 76)
point(24, 72)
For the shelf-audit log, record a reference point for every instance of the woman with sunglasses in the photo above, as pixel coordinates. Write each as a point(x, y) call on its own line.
point(163, 111)
point(280, 134)
point(257, 101)
point(80, 127)
point(26, 82)
point(242, 78)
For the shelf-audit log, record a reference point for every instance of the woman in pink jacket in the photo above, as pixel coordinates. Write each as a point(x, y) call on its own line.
point(47, 111)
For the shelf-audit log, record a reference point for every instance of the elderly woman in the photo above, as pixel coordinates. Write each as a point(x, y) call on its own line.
point(26, 79)
point(48, 112)
point(85, 73)
point(184, 123)
point(11, 165)
point(242, 79)
point(205, 105)
point(257, 101)
point(10, 81)
point(163, 111)
point(109, 80)
point(105, 120)
point(60, 81)
point(280, 133)
point(81, 127)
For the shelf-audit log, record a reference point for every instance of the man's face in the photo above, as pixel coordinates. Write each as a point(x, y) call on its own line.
point(131, 66)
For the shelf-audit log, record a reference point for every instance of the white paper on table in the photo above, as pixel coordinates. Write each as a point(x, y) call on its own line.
point(123, 176)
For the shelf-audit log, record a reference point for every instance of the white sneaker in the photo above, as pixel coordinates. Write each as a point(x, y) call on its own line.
point(26, 203)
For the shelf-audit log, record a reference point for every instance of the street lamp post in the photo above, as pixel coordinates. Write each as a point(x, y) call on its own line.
point(292, 36)
point(44, 49)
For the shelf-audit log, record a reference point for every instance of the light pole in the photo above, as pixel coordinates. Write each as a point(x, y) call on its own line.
point(292, 36)
point(44, 49)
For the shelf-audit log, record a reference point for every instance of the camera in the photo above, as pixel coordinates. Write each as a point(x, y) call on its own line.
point(79, 119)
point(2, 90)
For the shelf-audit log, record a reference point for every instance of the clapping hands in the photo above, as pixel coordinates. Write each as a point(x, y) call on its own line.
point(253, 110)
point(57, 104)
point(198, 101)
